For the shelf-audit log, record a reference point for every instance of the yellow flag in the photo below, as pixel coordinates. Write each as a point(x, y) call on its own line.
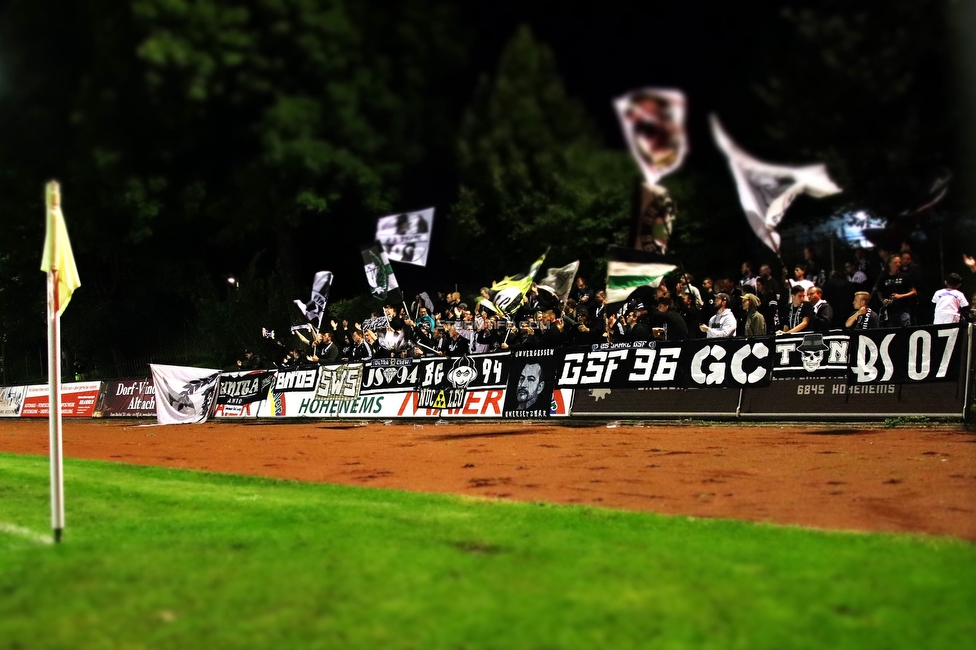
point(508, 294)
point(57, 250)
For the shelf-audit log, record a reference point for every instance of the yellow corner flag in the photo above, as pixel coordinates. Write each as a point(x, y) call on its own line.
point(57, 250)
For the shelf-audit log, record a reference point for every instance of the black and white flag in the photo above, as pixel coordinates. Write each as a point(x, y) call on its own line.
point(406, 237)
point(765, 190)
point(314, 309)
point(559, 281)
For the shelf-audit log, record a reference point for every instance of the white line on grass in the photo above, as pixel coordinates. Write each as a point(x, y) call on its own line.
point(26, 533)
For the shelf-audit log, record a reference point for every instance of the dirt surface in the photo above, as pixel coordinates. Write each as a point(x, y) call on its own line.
point(856, 478)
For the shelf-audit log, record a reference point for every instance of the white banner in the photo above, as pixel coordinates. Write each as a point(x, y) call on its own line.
point(405, 237)
point(11, 399)
point(184, 395)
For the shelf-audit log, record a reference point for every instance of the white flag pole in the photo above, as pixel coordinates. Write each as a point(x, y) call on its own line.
point(54, 383)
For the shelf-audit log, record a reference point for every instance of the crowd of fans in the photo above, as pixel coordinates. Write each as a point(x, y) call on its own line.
point(891, 291)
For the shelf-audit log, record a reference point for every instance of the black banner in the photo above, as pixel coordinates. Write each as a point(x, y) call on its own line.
point(300, 379)
point(655, 402)
point(531, 379)
point(622, 365)
point(444, 381)
point(832, 397)
point(708, 363)
point(392, 375)
point(239, 388)
point(909, 355)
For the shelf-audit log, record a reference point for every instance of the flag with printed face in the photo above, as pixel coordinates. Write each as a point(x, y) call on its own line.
point(559, 281)
point(509, 294)
point(629, 269)
point(379, 273)
point(314, 309)
point(765, 190)
point(653, 120)
point(58, 257)
point(406, 237)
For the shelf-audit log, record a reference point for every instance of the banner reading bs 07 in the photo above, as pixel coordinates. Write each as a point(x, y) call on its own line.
point(907, 355)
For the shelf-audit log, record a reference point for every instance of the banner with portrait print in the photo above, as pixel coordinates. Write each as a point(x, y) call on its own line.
point(531, 380)
point(653, 121)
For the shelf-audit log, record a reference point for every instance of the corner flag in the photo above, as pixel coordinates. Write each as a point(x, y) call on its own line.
point(57, 251)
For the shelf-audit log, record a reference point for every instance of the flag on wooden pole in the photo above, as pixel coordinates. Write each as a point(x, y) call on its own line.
point(58, 262)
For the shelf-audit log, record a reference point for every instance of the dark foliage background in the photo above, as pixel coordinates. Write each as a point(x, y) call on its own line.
point(198, 140)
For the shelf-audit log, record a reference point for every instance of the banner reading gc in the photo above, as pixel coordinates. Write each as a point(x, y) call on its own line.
point(711, 363)
point(907, 355)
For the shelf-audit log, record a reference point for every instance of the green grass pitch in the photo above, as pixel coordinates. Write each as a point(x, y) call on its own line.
point(158, 558)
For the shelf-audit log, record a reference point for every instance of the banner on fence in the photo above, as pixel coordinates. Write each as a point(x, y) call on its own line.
point(654, 402)
point(240, 393)
point(128, 398)
point(811, 354)
point(907, 356)
point(833, 397)
point(708, 363)
point(389, 376)
point(11, 401)
point(444, 382)
point(531, 380)
point(78, 400)
point(184, 395)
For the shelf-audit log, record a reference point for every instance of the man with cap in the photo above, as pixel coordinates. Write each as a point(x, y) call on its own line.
point(722, 324)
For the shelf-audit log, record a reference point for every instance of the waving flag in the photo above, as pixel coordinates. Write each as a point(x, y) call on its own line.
point(379, 273)
point(57, 257)
point(653, 120)
point(507, 296)
point(314, 309)
point(406, 237)
point(559, 281)
point(765, 190)
point(629, 269)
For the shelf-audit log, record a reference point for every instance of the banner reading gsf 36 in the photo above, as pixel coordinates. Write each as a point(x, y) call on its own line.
point(711, 363)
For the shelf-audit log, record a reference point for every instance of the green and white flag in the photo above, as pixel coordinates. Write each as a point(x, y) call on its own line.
point(629, 269)
point(379, 273)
